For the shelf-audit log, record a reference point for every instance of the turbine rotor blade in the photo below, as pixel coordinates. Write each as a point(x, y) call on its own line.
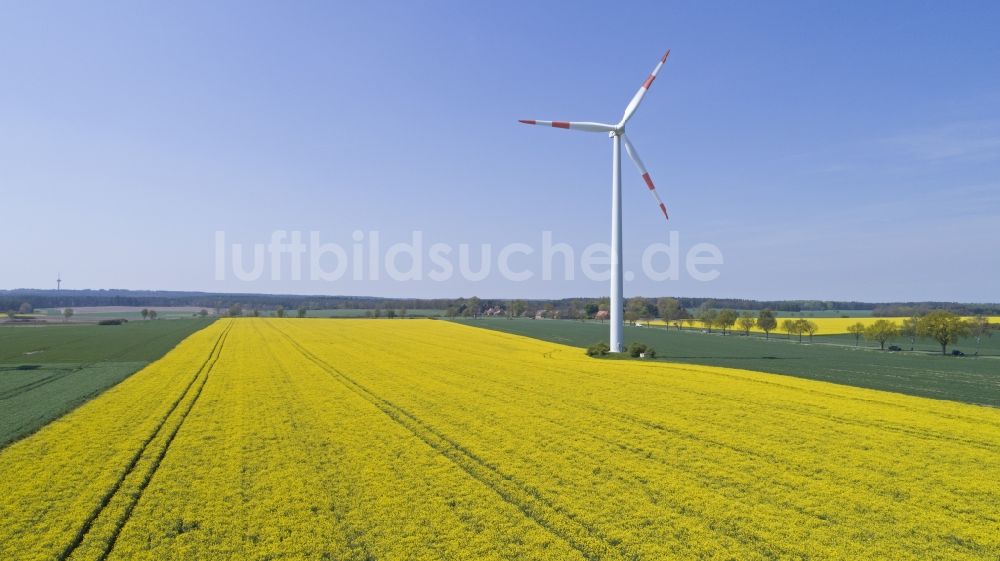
point(579, 126)
point(634, 156)
point(637, 98)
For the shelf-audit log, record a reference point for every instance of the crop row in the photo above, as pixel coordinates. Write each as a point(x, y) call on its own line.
point(60, 488)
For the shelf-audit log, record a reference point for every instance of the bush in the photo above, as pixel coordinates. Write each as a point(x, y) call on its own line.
point(112, 321)
point(598, 349)
point(636, 349)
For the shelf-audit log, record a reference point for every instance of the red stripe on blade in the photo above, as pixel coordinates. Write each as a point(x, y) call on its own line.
point(527, 121)
point(648, 82)
point(560, 124)
point(663, 207)
point(649, 182)
point(664, 59)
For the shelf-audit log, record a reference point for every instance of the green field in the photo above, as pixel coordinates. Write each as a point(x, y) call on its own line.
point(132, 314)
point(831, 358)
point(47, 370)
point(342, 313)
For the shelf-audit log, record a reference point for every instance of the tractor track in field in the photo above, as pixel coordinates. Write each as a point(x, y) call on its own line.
point(14, 392)
point(194, 386)
point(585, 539)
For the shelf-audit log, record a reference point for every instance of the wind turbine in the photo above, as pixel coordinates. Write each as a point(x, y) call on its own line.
point(617, 134)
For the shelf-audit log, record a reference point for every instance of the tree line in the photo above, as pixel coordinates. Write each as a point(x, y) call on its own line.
point(943, 326)
point(565, 307)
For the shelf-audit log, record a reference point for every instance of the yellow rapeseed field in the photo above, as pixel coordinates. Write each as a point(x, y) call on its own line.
point(427, 440)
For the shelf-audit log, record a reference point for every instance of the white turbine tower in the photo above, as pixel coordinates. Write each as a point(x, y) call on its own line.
point(617, 134)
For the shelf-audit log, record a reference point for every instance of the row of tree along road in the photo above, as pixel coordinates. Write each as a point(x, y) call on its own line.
point(942, 326)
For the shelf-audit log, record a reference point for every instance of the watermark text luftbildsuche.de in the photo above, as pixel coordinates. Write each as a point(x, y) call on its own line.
point(297, 255)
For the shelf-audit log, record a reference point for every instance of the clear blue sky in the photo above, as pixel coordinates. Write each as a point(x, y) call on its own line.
point(838, 150)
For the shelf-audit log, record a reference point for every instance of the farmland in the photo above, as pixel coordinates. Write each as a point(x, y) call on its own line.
point(48, 370)
point(97, 313)
point(809, 314)
point(422, 439)
point(830, 325)
point(829, 359)
point(358, 313)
